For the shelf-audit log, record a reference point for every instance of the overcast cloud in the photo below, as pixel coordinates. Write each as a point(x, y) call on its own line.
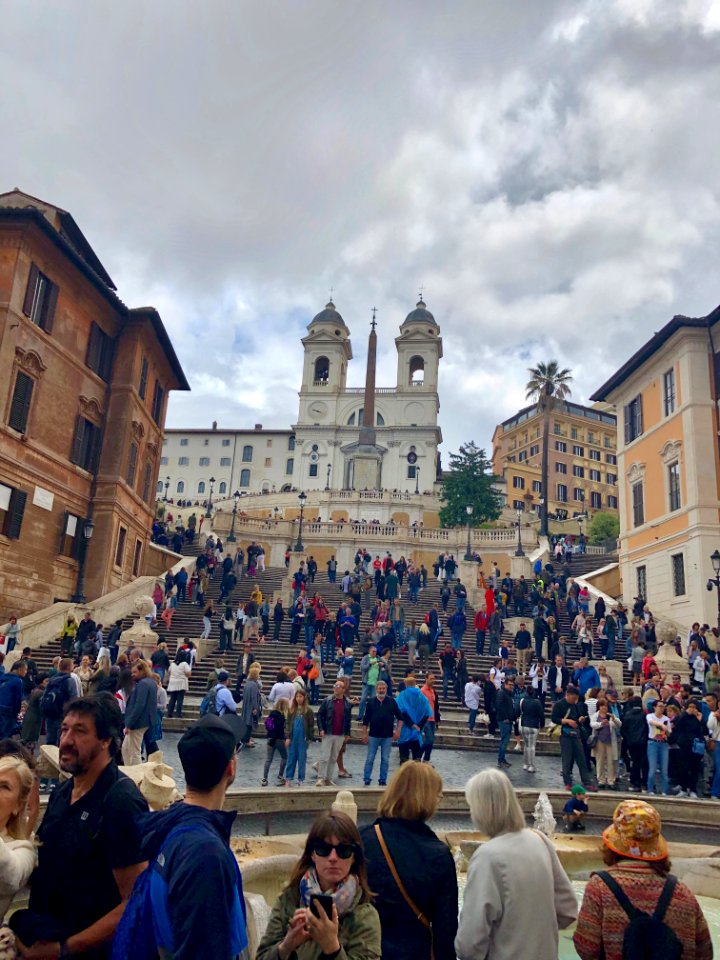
point(548, 171)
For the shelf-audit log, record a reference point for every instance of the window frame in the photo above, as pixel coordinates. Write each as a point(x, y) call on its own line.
point(99, 353)
point(245, 477)
point(674, 487)
point(669, 392)
point(120, 543)
point(678, 578)
point(40, 308)
point(247, 453)
point(21, 402)
point(638, 503)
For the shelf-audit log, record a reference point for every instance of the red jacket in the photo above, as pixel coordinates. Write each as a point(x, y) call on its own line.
point(480, 621)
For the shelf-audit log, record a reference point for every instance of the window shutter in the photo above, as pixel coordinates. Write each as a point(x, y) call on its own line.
point(627, 416)
point(106, 356)
point(147, 481)
point(77, 443)
point(639, 410)
point(63, 528)
point(15, 514)
point(20, 406)
point(30, 292)
point(132, 464)
point(94, 448)
point(48, 313)
point(94, 348)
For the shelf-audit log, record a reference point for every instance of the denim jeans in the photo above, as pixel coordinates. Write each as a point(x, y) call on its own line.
point(472, 717)
point(270, 748)
point(447, 680)
point(658, 758)
point(715, 788)
point(332, 576)
point(329, 652)
point(413, 595)
point(385, 745)
point(428, 735)
point(368, 692)
point(480, 642)
point(309, 636)
point(457, 639)
point(296, 755)
point(459, 603)
point(505, 731)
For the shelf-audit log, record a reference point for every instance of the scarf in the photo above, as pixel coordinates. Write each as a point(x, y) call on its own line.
point(344, 893)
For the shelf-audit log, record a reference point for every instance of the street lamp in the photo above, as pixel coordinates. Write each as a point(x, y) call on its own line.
point(299, 545)
point(519, 552)
point(87, 532)
point(327, 482)
point(208, 512)
point(715, 581)
point(236, 498)
point(167, 484)
point(468, 552)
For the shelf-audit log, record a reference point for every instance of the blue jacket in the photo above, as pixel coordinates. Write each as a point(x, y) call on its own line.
point(586, 678)
point(203, 913)
point(415, 707)
point(11, 691)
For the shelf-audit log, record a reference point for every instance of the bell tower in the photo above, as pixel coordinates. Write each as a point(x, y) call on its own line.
point(327, 352)
point(419, 349)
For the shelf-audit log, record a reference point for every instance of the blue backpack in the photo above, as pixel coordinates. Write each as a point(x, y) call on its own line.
point(208, 704)
point(145, 924)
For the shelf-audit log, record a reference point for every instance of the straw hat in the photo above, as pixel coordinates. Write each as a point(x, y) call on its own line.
point(635, 832)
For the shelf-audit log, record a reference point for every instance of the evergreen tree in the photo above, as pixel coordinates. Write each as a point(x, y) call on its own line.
point(469, 483)
point(604, 526)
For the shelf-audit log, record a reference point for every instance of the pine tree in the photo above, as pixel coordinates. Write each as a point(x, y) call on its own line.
point(469, 483)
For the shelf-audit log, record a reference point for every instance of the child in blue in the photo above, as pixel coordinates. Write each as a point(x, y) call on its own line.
point(300, 730)
point(575, 809)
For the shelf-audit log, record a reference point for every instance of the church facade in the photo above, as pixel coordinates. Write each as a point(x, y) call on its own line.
point(397, 449)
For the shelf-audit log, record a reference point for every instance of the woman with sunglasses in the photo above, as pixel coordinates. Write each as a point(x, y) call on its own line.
point(332, 865)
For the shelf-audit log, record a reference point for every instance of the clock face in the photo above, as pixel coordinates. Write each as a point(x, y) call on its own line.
point(317, 409)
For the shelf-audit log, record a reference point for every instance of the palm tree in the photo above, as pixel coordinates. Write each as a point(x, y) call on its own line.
point(547, 384)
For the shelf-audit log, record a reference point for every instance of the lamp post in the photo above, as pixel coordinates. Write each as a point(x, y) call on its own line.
point(417, 480)
point(715, 581)
point(236, 498)
point(167, 485)
point(519, 552)
point(327, 481)
point(468, 552)
point(208, 512)
point(299, 545)
point(87, 532)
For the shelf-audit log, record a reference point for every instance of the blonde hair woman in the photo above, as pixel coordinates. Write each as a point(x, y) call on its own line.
point(251, 704)
point(423, 863)
point(517, 893)
point(19, 810)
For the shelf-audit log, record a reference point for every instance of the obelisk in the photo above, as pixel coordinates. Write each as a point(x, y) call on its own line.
point(367, 431)
point(363, 460)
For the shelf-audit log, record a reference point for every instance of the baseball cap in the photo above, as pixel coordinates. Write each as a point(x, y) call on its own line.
point(578, 790)
point(205, 750)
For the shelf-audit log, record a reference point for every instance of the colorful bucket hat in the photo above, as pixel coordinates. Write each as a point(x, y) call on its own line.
point(635, 832)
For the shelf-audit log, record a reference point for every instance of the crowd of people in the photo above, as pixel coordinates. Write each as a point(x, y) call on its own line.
point(108, 878)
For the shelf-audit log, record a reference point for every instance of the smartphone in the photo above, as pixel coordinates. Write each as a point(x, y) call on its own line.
point(323, 900)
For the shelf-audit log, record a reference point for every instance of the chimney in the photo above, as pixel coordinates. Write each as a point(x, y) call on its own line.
point(258, 426)
point(214, 425)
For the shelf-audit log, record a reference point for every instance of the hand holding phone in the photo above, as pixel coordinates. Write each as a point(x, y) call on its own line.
point(321, 901)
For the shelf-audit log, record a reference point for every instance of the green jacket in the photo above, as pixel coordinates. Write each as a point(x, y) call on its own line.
point(359, 933)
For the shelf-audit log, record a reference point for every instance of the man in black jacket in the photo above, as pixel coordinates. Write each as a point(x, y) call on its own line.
point(634, 732)
point(505, 712)
point(378, 723)
point(571, 716)
point(558, 679)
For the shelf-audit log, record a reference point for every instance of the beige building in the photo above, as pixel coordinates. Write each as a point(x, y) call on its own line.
point(669, 468)
point(582, 463)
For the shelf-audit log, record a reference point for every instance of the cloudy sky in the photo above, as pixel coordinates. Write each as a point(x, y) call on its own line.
point(547, 170)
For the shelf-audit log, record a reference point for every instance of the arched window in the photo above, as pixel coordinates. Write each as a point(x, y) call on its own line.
point(417, 371)
point(247, 454)
point(286, 488)
point(266, 486)
point(223, 487)
point(201, 486)
point(159, 487)
point(245, 478)
point(181, 486)
point(322, 370)
point(291, 442)
point(379, 419)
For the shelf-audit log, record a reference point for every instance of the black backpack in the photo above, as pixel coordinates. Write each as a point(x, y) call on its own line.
point(647, 937)
point(55, 695)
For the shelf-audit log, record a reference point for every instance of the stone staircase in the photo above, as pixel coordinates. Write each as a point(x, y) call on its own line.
point(187, 622)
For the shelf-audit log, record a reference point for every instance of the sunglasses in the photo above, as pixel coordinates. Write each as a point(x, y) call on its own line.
point(343, 850)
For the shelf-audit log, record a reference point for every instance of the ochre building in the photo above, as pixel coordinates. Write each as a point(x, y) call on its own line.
point(669, 468)
point(85, 387)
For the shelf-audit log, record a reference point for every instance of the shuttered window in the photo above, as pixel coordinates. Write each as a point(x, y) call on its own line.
point(633, 419)
point(20, 405)
point(120, 548)
point(132, 465)
point(142, 389)
point(147, 480)
point(86, 445)
point(40, 299)
point(12, 509)
point(70, 535)
point(100, 352)
point(158, 397)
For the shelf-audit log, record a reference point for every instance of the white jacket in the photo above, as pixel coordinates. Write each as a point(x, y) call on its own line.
point(18, 859)
point(517, 895)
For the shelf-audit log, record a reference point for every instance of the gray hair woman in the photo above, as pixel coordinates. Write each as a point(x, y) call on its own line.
point(517, 893)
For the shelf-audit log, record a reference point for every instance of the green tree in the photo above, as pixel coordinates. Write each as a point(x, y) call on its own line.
point(547, 385)
point(604, 526)
point(469, 484)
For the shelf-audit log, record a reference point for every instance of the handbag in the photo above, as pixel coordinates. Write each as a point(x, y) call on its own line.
point(698, 747)
point(401, 887)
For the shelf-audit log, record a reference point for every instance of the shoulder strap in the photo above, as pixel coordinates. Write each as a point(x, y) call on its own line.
point(620, 894)
point(396, 877)
point(665, 897)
